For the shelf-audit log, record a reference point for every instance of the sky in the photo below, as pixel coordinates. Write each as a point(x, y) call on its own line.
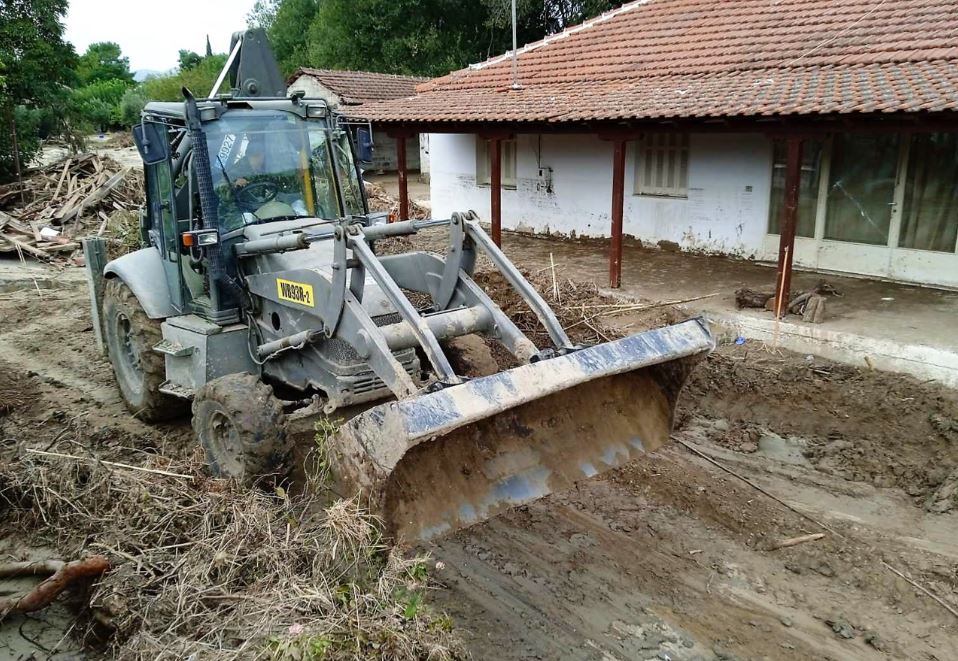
point(152, 33)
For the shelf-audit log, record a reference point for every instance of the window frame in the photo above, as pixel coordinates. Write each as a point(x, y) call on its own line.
point(675, 156)
point(484, 162)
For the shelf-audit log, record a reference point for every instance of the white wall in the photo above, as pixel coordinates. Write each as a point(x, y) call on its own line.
point(726, 210)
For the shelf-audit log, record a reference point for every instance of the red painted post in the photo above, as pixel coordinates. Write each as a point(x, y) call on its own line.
point(618, 203)
point(495, 181)
point(786, 242)
point(403, 176)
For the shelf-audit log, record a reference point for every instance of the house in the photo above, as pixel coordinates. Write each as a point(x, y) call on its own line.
point(349, 89)
point(822, 133)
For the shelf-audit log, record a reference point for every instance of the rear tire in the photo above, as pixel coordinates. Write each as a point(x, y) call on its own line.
point(130, 336)
point(242, 428)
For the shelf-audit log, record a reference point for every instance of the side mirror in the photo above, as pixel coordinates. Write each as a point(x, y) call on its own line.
point(150, 139)
point(364, 145)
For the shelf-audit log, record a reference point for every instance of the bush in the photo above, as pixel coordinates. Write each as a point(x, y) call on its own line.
point(131, 105)
point(98, 104)
point(28, 140)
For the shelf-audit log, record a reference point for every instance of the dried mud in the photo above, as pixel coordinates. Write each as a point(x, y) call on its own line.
point(666, 557)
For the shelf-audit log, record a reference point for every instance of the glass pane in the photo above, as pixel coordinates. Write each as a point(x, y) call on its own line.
point(861, 187)
point(807, 190)
point(930, 209)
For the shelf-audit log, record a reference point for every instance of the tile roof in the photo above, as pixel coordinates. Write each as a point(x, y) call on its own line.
point(712, 58)
point(356, 87)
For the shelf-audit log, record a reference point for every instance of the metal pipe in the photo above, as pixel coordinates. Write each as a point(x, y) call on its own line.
point(444, 325)
point(515, 52)
point(226, 67)
point(297, 340)
point(274, 244)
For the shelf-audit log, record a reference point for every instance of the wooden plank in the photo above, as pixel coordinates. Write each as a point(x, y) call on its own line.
point(618, 204)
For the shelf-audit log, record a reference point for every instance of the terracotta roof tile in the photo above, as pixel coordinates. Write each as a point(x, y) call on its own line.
point(356, 87)
point(712, 58)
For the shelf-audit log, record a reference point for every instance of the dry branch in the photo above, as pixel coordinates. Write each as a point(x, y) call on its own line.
point(795, 541)
point(65, 575)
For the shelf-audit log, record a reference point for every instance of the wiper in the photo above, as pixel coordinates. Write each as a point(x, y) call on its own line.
point(229, 182)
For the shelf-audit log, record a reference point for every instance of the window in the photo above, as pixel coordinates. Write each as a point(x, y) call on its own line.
point(662, 165)
point(930, 208)
point(483, 171)
point(807, 189)
point(861, 189)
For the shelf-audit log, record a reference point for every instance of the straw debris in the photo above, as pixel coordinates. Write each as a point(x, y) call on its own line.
point(200, 566)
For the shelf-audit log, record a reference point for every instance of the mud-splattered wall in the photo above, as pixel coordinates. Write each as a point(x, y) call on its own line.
point(726, 210)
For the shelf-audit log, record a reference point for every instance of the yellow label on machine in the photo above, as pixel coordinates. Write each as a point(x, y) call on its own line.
point(295, 292)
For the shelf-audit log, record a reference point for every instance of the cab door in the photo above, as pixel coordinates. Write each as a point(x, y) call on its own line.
point(163, 227)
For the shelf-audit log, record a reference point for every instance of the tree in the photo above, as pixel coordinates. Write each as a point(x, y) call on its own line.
point(199, 80)
point(104, 61)
point(189, 60)
point(426, 37)
point(262, 14)
point(35, 63)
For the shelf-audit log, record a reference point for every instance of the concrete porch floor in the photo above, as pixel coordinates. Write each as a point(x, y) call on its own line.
point(883, 325)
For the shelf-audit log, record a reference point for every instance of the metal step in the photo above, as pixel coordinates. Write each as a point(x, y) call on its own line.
point(175, 349)
point(176, 390)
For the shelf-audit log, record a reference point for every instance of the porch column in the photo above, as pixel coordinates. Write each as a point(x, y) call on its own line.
point(786, 245)
point(403, 177)
point(495, 188)
point(618, 202)
point(402, 171)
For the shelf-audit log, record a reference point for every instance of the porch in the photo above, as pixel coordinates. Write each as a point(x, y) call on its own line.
point(885, 325)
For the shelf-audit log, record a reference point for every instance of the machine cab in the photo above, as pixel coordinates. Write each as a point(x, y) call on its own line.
point(269, 160)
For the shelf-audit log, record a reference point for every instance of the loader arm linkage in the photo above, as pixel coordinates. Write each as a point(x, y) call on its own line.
point(460, 450)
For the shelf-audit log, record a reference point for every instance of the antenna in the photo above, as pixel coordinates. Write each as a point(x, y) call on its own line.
point(515, 55)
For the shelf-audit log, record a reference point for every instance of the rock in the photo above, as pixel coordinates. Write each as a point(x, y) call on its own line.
point(786, 621)
point(824, 569)
point(748, 448)
point(720, 425)
point(841, 628)
point(669, 246)
point(722, 654)
point(873, 639)
point(787, 450)
point(945, 497)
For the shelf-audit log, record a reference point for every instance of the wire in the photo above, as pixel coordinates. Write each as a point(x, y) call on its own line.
point(831, 39)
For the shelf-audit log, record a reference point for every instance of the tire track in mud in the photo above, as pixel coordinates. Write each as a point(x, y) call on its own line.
point(666, 559)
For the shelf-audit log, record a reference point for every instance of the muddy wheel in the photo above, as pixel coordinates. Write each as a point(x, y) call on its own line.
point(130, 336)
point(242, 428)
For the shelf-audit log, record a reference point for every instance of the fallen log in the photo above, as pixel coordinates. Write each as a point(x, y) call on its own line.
point(64, 575)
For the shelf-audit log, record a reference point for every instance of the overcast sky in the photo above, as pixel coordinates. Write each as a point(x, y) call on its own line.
point(152, 33)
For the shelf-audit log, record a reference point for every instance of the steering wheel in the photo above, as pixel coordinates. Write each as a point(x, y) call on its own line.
point(256, 194)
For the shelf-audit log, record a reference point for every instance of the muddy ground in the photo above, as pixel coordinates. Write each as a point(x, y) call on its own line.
point(663, 559)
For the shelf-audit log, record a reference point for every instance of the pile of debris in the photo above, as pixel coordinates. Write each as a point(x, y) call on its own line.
point(810, 305)
point(380, 200)
point(54, 205)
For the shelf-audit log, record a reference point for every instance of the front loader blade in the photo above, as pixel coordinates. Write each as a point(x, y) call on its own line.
point(445, 460)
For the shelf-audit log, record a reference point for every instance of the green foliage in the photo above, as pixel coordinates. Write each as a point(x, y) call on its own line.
point(35, 62)
point(104, 61)
point(28, 139)
point(287, 30)
point(198, 80)
point(131, 105)
point(426, 37)
point(188, 60)
point(262, 14)
point(420, 37)
point(98, 104)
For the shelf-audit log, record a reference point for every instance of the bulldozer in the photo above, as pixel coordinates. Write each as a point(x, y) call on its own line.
point(259, 290)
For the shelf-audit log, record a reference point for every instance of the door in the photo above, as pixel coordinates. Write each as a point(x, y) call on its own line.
point(881, 204)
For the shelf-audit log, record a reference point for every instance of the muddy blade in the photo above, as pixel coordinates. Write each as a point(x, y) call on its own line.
point(446, 460)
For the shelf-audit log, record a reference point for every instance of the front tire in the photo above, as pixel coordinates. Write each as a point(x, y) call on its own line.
point(242, 428)
point(130, 336)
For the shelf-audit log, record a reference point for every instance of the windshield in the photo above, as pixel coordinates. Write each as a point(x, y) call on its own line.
point(273, 164)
